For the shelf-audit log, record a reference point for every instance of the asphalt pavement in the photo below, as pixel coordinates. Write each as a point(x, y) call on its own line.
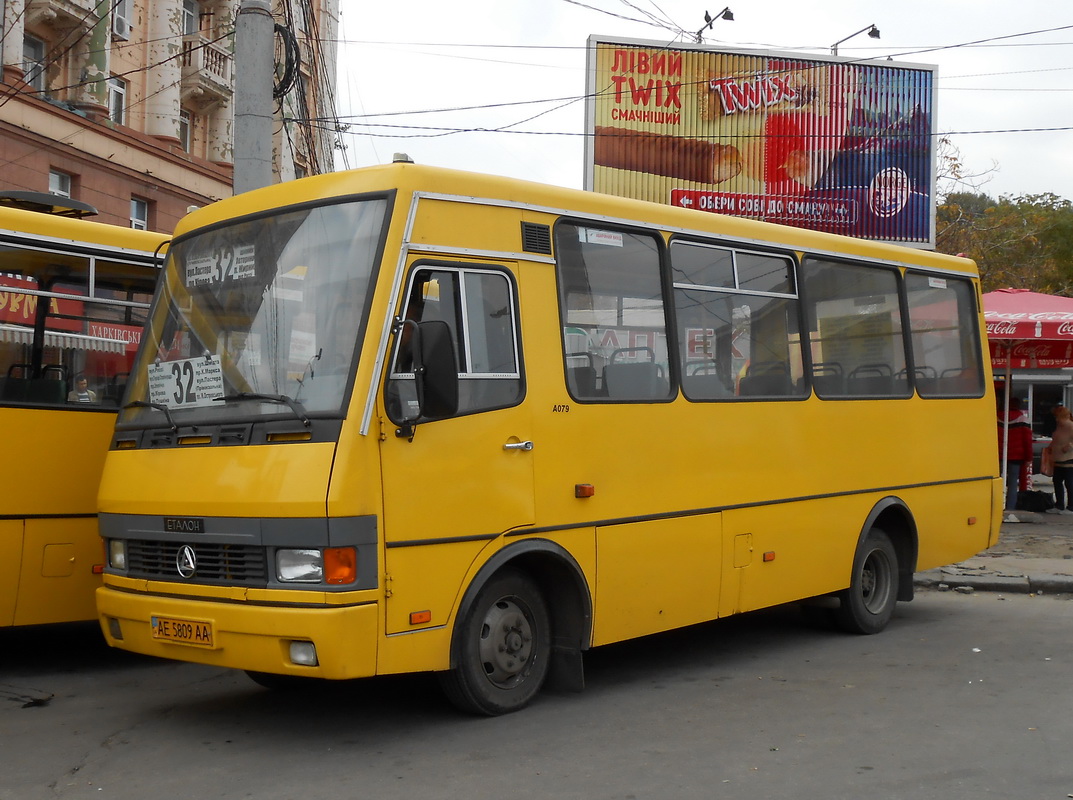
point(1033, 556)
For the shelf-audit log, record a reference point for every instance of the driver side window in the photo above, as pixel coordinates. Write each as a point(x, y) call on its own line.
point(478, 306)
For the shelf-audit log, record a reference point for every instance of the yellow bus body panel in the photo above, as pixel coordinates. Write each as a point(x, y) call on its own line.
point(49, 479)
point(288, 480)
point(53, 460)
point(11, 534)
point(638, 596)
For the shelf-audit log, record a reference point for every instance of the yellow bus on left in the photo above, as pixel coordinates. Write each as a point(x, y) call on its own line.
point(74, 295)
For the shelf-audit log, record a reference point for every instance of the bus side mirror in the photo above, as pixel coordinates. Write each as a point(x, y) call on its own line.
point(435, 369)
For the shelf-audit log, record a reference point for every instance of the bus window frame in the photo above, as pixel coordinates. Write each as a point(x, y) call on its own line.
point(461, 335)
point(793, 259)
point(659, 236)
point(87, 259)
point(973, 338)
point(898, 270)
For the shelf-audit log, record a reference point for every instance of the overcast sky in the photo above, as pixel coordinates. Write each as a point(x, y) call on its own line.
point(420, 76)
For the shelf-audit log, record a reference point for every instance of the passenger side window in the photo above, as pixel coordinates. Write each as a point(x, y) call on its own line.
point(80, 356)
point(738, 327)
point(479, 309)
point(945, 337)
point(613, 318)
point(855, 330)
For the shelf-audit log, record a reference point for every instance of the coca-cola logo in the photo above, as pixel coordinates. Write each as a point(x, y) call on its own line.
point(1065, 329)
point(1031, 350)
point(1002, 328)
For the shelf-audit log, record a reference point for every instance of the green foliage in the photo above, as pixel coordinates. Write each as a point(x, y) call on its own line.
point(1024, 242)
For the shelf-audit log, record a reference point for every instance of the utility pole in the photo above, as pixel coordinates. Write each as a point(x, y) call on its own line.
point(254, 57)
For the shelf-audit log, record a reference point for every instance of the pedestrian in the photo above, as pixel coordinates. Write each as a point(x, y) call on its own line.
point(1061, 447)
point(1015, 440)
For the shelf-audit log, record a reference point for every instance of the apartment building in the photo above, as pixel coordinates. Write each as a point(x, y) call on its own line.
point(128, 105)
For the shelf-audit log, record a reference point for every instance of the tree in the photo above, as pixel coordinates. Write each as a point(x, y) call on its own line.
point(1025, 242)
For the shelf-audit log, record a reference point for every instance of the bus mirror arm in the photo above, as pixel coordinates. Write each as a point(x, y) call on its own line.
point(409, 426)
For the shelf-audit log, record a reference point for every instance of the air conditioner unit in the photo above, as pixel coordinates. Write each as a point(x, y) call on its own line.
point(120, 27)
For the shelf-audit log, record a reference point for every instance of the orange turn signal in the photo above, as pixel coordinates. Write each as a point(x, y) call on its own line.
point(340, 565)
point(769, 556)
point(584, 490)
point(420, 617)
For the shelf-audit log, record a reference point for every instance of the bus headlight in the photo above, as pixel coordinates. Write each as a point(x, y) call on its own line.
point(299, 566)
point(117, 554)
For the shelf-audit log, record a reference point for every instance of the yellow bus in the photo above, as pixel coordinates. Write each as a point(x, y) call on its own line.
point(73, 299)
point(407, 419)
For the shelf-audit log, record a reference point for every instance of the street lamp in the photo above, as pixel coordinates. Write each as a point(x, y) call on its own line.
point(873, 32)
point(726, 14)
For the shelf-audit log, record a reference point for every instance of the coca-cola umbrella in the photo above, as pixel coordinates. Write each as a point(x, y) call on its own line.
point(1027, 330)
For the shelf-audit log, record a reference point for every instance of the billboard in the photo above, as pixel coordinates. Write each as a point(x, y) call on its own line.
point(831, 144)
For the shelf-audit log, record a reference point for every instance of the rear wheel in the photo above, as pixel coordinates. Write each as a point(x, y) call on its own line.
point(503, 648)
point(867, 605)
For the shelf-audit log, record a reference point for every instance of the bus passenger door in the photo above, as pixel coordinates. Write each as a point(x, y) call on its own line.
point(453, 483)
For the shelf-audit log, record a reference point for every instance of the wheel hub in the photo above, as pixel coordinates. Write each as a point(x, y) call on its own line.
point(506, 643)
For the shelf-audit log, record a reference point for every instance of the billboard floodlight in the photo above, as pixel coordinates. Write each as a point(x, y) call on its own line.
point(726, 14)
point(873, 33)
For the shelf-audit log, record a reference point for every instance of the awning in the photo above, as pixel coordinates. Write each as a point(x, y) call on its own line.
point(1029, 330)
point(75, 341)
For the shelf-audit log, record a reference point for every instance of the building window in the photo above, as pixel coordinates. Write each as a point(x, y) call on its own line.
point(139, 214)
point(191, 17)
point(59, 183)
point(186, 128)
point(117, 100)
point(33, 62)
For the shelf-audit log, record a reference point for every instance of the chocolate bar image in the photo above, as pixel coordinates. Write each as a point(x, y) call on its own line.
point(686, 159)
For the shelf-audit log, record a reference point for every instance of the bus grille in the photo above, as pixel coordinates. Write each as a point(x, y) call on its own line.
point(216, 563)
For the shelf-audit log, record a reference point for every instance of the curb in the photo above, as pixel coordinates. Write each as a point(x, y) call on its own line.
point(941, 579)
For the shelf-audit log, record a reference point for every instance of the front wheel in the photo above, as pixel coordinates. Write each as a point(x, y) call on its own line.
point(503, 648)
point(867, 605)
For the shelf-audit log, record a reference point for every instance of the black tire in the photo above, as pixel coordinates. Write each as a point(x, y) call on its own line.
point(503, 646)
point(867, 605)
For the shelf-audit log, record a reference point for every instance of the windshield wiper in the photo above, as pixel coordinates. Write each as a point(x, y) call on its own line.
point(158, 407)
point(282, 399)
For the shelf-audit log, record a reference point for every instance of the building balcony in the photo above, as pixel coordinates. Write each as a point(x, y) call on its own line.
point(63, 14)
point(206, 72)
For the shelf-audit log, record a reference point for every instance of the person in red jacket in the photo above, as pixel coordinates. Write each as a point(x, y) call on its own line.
point(1018, 449)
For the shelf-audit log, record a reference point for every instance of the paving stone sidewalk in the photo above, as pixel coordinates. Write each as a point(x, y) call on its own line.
point(1033, 556)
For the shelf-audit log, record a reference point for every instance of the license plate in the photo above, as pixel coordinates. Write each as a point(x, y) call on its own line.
point(183, 631)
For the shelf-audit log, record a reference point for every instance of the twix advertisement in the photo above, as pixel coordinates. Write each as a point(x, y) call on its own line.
point(827, 144)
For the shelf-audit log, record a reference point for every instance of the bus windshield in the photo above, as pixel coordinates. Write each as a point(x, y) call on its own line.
point(259, 318)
